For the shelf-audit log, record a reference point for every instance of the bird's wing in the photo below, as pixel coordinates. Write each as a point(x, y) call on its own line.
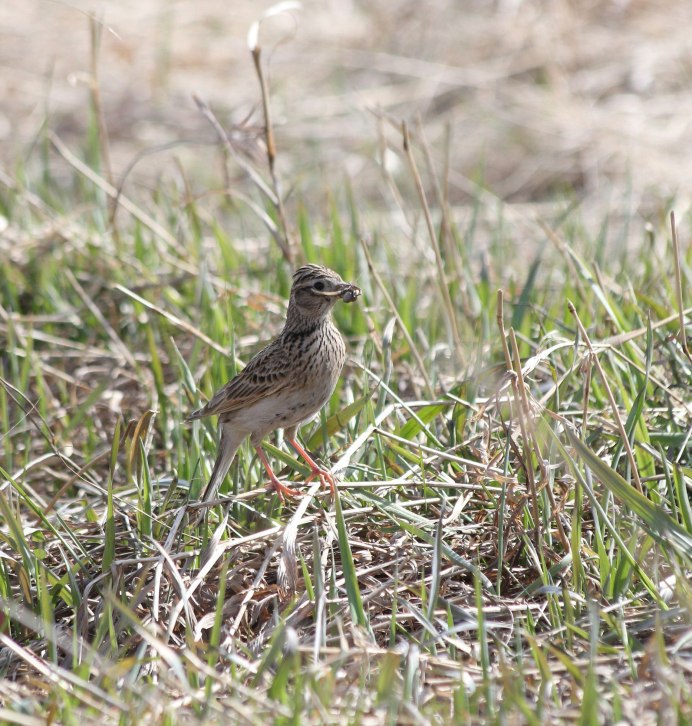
point(265, 375)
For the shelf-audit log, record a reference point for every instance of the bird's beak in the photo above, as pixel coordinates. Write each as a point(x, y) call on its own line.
point(346, 291)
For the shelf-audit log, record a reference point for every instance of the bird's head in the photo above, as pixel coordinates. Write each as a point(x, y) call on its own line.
point(316, 290)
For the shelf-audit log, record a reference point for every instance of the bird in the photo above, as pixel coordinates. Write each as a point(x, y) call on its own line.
point(287, 382)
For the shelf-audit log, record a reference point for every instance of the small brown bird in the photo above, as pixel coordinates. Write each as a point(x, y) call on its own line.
point(287, 382)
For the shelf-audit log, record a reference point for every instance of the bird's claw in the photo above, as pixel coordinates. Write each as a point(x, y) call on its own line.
point(325, 477)
point(282, 490)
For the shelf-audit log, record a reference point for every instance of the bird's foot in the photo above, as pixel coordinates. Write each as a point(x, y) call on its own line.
point(274, 484)
point(326, 477)
point(282, 490)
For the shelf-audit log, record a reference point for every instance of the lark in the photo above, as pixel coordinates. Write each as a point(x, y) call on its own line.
point(287, 382)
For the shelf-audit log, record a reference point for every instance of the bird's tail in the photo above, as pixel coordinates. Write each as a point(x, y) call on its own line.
point(230, 441)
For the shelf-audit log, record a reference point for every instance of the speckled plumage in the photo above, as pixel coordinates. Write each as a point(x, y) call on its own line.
point(287, 382)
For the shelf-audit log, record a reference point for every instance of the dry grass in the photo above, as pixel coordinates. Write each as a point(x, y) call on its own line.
point(541, 98)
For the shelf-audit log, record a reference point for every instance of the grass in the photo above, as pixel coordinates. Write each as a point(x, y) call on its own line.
point(512, 535)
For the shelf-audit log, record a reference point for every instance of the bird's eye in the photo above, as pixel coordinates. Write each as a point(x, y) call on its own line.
point(319, 286)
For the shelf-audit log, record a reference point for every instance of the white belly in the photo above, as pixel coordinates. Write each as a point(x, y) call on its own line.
point(282, 410)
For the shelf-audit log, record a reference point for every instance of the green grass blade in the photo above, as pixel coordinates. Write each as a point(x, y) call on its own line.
point(355, 602)
point(109, 548)
point(660, 525)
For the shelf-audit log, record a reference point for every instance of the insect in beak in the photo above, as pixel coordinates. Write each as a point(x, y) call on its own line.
point(350, 293)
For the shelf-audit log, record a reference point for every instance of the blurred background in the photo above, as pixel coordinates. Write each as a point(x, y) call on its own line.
point(530, 100)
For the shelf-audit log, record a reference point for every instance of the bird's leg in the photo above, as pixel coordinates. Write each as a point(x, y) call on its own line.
point(281, 489)
point(325, 476)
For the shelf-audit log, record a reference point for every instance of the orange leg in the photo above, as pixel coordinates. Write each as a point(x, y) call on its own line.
point(324, 475)
point(281, 489)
